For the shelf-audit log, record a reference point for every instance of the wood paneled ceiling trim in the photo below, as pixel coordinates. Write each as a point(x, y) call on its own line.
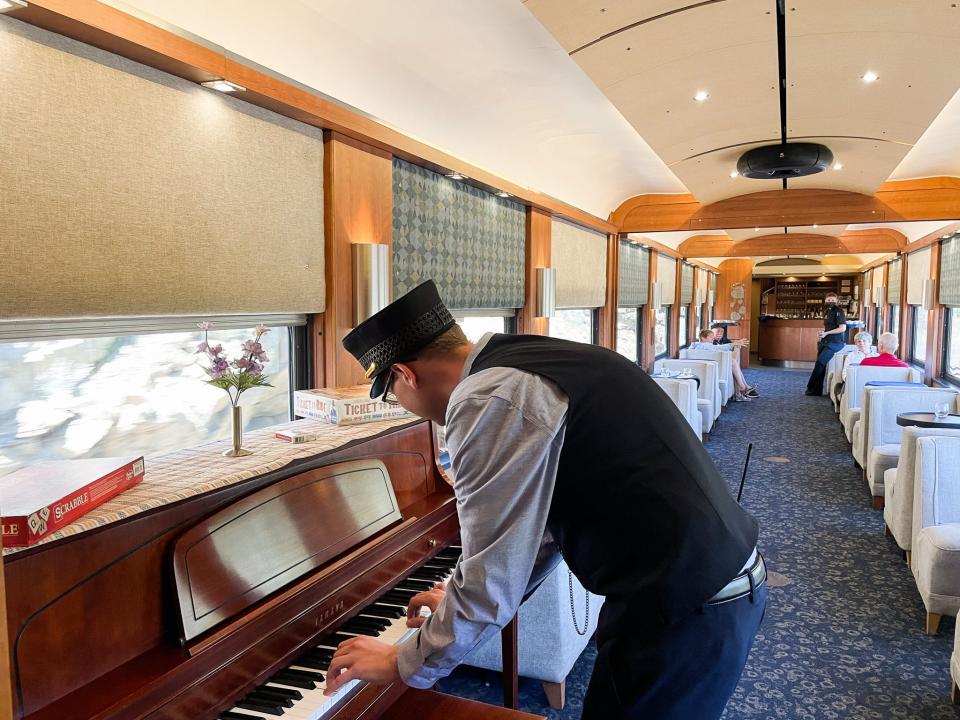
point(109, 29)
point(851, 241)
point(901, 200)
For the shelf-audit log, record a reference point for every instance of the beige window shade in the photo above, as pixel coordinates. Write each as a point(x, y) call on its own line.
point(702, 284)
point(918, 270)
point(667, 277)
point(580, 258)
point(129, 192)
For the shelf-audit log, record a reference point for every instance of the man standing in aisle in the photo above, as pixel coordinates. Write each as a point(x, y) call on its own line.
point(831, 340)
point(561, 448)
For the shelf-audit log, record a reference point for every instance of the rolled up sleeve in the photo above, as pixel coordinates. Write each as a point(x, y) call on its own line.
point(505, 464)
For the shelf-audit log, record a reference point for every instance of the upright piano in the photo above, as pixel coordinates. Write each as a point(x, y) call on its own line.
point(228, 604)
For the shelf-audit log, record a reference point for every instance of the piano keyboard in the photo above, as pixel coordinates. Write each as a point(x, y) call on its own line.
point(296, 692)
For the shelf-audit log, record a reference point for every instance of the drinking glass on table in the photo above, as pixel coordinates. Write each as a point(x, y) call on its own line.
point(941, 409)
point(686, 372)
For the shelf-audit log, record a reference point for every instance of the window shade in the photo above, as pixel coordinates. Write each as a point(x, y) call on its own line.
point(580, 258)
point(667, 277)
point(712, 297)
point(634, 285)
point(686, 284)
point(894, 281)
point(130, 192)
point(469, 242)
point(918, 270)
point(876, 297)
point(950, 272)
point(702, 284)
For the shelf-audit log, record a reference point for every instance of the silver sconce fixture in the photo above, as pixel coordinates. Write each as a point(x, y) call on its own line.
point(929, 294)
point(371, 280)
point(546, 292)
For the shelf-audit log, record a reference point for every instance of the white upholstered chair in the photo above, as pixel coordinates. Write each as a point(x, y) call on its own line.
point(725, 370)
point(857, 377)
point(899, 484)
point(548, 642)
point(708, 392)
point(684, 396)
point(936, 527)
point(832, 376)
point(876, 435)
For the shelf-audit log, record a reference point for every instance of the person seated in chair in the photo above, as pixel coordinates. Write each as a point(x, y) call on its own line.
point(708, 341)
point(864, 341)
point(887, 344)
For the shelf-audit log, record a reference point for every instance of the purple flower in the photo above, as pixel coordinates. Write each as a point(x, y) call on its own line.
point(203, 347)
point(219, 367)
point(215, 350)
point(203, 325)
point(252, 347)
point(255, 368)
point(261, 329)
point(242, 364)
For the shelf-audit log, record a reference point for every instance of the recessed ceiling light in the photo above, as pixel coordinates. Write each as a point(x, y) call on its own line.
point(11, 5)
point(456, 176)
point(756, 229)
point(869, 76)
point(815, 226)
point(734, 173)
point(503, 194)
point(838, 166)
point(224, 86)
point(701, 96)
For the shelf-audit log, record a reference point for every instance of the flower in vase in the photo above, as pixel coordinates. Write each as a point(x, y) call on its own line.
point(241, 374)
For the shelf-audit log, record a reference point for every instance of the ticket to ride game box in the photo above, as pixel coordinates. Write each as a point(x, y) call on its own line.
point(40, 499)
point(344, 406)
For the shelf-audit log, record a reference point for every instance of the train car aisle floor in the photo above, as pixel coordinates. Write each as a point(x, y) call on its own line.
point(844, 638)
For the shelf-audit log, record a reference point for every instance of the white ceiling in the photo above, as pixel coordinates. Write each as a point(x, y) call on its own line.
point(483, 81)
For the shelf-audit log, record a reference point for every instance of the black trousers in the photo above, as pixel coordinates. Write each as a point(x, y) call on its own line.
point(683, 671)
point(815, 383)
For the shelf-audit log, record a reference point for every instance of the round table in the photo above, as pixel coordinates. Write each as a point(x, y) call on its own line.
point(928, 420)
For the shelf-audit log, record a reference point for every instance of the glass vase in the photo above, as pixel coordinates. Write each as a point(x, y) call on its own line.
point(237, 450)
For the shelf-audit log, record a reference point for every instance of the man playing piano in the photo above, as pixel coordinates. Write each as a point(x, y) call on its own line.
point(560, 448)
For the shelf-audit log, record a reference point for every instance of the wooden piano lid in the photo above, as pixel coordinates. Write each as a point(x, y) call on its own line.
point(265, 541)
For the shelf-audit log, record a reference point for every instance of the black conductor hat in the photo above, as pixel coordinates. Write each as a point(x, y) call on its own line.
point(396, 333)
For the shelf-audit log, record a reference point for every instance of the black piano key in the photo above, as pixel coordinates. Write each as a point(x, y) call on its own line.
point(257, 706)
point(418, 585)
point(312, 663)
point(230, 715)
point(429, 576)
point(282, 692)
point(369, 632)
point(294, 682)
point(334, 640)
point(362, 622)
point(268, 698)
point(381, 610)
point(305, 674)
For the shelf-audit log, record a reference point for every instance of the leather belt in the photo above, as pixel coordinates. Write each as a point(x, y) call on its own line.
point(742, 585)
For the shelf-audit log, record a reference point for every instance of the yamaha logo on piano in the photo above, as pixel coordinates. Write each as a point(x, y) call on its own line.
point(329, 612)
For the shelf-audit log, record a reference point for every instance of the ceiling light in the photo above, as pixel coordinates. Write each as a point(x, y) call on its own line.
point(456, 176)
point(734, 173)
point(869, 76)
point(756, 229)
point(224, 86)
point(503, 194)
point(701, 96)
point(838, 166)
point(11, 5)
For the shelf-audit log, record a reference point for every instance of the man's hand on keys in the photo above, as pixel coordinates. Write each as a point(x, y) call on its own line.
point(429, 599)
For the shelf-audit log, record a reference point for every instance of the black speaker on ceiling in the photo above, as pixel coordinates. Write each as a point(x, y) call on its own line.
point(790, 160)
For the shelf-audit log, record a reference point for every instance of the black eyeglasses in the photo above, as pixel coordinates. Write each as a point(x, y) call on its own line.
point(388, 396)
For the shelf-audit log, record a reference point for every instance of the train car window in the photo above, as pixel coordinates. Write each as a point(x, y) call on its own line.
point(476, 326)
point(629, 332)
point(661, 332)
point(684, 310)
point(115, 394)
point(918, 347)
point(577, 324)
point(951, 345)
point(893, 320)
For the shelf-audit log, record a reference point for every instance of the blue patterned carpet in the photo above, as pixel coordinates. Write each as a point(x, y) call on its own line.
point(844, 639)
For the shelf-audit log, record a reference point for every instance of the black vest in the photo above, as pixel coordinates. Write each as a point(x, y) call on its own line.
point(639, 510)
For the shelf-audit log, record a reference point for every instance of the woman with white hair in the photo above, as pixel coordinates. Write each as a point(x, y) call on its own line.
point(863, 340)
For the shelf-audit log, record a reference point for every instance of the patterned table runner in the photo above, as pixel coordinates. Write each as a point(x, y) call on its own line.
point(174, 476)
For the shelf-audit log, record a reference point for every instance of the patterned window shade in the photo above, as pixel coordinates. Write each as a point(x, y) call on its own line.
point(667, 277)
point(469, 242)
point(950, 272)
point(918, 270)
point(686, 284)
point(894, 281)
point(634, 285)
point(702, 284)
point(580, 258)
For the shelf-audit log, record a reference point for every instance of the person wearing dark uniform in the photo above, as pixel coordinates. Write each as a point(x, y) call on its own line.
point(831, 340)
point(565, 449)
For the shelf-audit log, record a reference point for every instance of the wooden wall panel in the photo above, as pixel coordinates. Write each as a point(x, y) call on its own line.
point(649, 320)
point(731, 273)
point(539, 232)
point(358, 209)
point(934, 361)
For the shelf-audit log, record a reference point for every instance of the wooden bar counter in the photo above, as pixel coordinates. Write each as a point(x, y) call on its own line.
point(789, 340)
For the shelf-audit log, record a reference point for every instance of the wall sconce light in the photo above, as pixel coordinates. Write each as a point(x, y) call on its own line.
point(657, 297)
point(7, 5)
point(929, 294)
point(546, 292)
point(371, 280)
